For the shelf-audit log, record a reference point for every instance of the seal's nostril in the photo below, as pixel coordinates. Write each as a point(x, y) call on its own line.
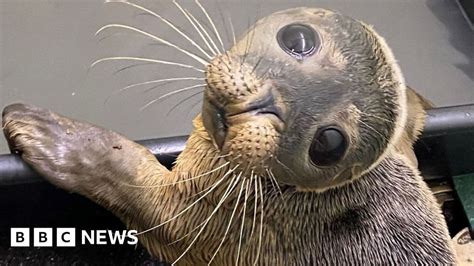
point(214, 118)
point(220, 128)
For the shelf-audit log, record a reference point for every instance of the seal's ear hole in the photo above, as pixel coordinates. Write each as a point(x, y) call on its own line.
point(328, 146)
point(298, 40)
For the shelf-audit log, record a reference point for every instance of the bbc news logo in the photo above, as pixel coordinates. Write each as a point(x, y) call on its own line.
point(66, 237)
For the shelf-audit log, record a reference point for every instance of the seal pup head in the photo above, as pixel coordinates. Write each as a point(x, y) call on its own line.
point(308, 95)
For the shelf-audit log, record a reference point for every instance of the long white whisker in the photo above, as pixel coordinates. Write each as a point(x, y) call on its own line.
point(148, 60)
point(255, 204)
point(271, 180)
point(191, 205)
point(261, 222)
point(182, 181)
point(130, 66)
point(171, 93)
point(159, 81)
point(243, 222)
point(195, 228)
point(212, 23)
point(272, 177)
point(200, 192)
point(203, 29)
point(227, 229)
point(187, 234)
point(225, 155)
point(224, 197)
point(164, 20)
point(215, 52)
point(184, 100)
point(232, 30)
point(156, 38)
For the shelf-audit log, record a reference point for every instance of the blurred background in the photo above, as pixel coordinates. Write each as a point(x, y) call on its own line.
point(47, 47)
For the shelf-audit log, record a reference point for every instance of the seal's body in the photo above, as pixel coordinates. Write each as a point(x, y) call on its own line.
point(302, 155)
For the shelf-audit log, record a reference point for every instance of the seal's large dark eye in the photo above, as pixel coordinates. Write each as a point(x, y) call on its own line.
point(298, 40)
point(328, 146)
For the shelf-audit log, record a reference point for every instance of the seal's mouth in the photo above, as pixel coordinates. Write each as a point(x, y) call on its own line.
point(218, 119)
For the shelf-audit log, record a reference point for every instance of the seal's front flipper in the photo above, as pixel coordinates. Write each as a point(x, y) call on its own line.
point(80, 157)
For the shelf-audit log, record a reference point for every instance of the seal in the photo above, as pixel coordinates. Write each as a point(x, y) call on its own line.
point(302, 155)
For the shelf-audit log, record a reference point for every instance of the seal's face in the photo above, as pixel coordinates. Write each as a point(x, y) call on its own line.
point(309, 95)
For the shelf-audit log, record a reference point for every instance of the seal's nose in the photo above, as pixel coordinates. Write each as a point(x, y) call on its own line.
point(218, 118)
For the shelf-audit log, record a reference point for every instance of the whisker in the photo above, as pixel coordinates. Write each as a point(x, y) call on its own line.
point(160, 81)
point(187, 234)
point(203, 29)
point(184, 100)
point(190, 206)
point(211, 22)
point(230, 189)
point(221, 15)
point(252, 36)
point(130, 66)
point(225, 155)
point(271, 180)
point(152, 88)
point(171, 93)
point(272, 176)
point(195, 228)
point(170, 44)
point(181, 181)
point(101, 39)
point(141, 59)
point(164, 20)
point(255, 203)
point(228, 227)
point(243, 222)
point(200, 192)
point(284, 165)
point(193, 106)
point(185, 13)
point(247, 40)
point(232, 30)
point(256, 64)
point(261, 222)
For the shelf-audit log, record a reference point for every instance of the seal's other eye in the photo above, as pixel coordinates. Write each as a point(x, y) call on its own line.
point(298, 40)
point(328, 146)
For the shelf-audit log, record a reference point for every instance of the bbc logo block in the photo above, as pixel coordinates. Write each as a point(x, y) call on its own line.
point(42, 237)
point(20, 237)
point(66, 237)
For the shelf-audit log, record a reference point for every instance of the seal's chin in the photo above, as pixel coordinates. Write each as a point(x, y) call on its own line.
point(247, 137)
